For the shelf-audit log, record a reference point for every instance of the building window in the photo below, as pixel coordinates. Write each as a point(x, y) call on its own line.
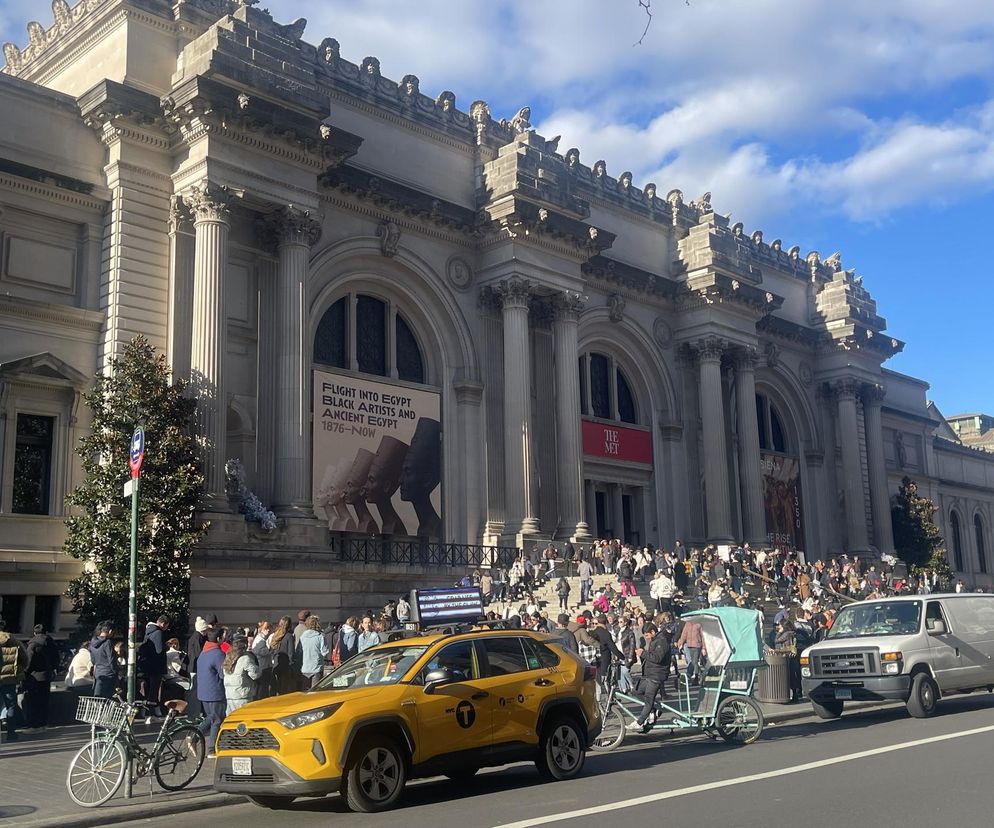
point(596, 401)
point(957, 541)
point(368, 347)
point(772, 434)
point(33, 464)
point(978, 528)
point(329, 341)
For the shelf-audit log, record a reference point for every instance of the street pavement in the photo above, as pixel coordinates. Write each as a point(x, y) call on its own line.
point(876, 766)
point(690, 776)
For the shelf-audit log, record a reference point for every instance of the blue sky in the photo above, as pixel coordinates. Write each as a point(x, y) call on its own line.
point(864, 127)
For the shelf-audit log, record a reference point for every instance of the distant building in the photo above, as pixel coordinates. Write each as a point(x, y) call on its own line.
point(974, 430)
point(405, 315)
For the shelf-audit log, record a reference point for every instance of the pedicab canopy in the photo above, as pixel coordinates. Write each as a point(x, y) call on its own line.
point(732, 635)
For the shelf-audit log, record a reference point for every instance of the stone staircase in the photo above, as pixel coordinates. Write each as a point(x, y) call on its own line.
point(548, 600)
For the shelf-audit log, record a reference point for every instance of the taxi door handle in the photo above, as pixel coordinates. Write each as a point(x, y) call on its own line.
point(482, 694)
point(543, 682)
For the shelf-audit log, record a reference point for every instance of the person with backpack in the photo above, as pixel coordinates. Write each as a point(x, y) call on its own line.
point(13, 665)
point(347, 643)
point(563, 591)
point(43, 663)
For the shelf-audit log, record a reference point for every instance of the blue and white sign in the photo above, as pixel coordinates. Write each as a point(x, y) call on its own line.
point(137, 453)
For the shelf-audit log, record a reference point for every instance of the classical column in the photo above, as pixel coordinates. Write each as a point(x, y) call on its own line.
point(873, 396)
point(590, 497)
point(617, 512)
point(751, 481)
point(210, 205)
point(709, 353)
point(295, 231)
point(852, 467)
point(181, 261)
point(469, 396)
point(569, 451)
point(514, 294)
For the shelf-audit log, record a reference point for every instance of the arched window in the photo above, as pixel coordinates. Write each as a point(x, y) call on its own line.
point(367, 347)
point(978, 528)
point(599, 377)
point(957, 541)
point(772, 434)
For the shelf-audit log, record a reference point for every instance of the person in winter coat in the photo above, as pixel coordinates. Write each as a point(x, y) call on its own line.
point(314, 652)
point(240, 674)
point(176, 681)
point(348, 639)
point(656, 659)
point(210, 688)
point(282, 646)
point(264, 658)
point(152, 658)
point(13, 664)
point(193, 649)
point(104, 661)
point(79, 677)
point(563, 591)
point(43, 661)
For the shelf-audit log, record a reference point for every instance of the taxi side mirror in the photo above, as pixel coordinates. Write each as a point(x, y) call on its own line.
point(436, 678)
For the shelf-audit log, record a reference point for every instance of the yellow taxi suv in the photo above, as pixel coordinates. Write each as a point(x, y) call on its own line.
point(424, 706)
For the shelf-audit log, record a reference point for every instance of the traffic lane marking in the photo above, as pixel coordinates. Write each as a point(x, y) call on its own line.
point(741, 780)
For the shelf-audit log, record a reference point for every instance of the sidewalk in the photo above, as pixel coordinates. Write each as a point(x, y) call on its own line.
point(33, 770)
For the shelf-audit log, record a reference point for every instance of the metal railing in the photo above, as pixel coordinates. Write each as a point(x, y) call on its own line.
point(414, 552)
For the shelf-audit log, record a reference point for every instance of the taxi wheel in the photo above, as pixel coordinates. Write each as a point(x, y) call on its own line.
point(561, 750)
point(376, 776)
point(275, 803)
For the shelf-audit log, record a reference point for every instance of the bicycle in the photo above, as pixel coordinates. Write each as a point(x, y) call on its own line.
point(98, 768)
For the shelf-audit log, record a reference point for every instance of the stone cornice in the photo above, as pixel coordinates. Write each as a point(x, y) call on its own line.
point(51, 192)
point(88, 321)
point(356, 206)
point(715, 288)
point(628, 276)
point(518, 219)
point(783, 329)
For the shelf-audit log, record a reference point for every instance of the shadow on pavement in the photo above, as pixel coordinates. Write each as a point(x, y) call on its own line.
point(7, 811)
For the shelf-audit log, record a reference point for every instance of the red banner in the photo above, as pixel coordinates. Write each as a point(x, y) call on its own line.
point(613, 442)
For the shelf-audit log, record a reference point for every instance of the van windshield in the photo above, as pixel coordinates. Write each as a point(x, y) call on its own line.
point(878, 618)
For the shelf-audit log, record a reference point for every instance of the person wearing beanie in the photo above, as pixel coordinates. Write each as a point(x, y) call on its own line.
point(196, 644)
point(210, 688)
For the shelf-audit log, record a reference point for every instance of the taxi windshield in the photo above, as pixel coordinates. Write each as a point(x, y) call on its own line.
point(382, 665)
point(878, 618)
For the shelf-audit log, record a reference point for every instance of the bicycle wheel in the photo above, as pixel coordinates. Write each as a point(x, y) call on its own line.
point(612, 732)
point(96, 772)
point(179, 758)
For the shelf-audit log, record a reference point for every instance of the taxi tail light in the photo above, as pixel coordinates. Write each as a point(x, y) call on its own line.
point(589, 672)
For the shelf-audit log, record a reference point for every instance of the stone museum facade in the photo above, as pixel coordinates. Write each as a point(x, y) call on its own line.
point(366, 281)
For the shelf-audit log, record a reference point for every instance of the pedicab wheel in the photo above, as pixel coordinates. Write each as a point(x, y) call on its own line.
point(375, 779)
point(96, 772)
point(612, 731)
point(739, 720)
point(180, 758)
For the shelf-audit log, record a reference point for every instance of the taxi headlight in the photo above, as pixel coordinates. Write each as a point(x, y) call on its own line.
point(307, 717)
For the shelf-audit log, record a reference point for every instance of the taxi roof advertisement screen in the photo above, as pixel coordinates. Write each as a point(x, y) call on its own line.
point(440, 606)
point(377, 457)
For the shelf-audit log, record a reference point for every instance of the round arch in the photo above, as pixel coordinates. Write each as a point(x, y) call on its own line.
point(957, 526)
point(792, 403)
point(980, 540)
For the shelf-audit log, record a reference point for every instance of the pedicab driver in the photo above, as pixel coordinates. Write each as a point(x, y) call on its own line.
point(655, 670)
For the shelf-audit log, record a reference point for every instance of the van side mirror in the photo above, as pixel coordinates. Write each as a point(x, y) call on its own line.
point(935, 626)
point(436, 678)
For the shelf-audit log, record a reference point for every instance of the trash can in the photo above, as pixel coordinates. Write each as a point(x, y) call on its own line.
point(774, 679)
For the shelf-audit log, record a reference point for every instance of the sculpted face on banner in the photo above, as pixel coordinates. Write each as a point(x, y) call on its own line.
point(422, 472)
point(353, 491)
point(382, 482)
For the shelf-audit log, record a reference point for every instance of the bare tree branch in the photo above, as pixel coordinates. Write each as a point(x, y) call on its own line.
point(647, 5)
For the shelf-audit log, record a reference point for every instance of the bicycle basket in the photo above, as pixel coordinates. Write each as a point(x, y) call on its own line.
point(101, 712)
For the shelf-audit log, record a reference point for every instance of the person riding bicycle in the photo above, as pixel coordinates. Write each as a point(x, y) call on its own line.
point(655, 670)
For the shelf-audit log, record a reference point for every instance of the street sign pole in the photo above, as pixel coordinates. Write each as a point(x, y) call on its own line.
point(135, 458)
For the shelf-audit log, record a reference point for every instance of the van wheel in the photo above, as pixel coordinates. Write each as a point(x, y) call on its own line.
point(830, 709)
point(375, 778)
point(924, 696)
point(561, 750)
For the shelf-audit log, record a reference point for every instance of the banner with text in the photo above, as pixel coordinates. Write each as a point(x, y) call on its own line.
point(377, 457)
point(612, 442)
point(782, 500)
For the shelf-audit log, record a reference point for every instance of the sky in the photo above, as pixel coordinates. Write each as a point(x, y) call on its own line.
point(838, 125)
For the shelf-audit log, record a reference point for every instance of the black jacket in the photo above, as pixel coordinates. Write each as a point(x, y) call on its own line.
point(608, 648)
point(152, 652)
point(656, 658)
point(104, 660)
point(193, 649)
point(43, 658)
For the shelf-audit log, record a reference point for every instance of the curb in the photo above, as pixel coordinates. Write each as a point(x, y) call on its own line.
point(130, 813)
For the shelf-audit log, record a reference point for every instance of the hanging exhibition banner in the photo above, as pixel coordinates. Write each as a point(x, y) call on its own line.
point(614, 442)
point(782, 500)
point(377, 457)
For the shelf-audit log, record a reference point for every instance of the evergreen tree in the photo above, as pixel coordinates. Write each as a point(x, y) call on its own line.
point(136, 390)
point(916, 536)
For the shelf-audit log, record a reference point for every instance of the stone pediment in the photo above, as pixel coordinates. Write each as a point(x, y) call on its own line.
point(44, 367)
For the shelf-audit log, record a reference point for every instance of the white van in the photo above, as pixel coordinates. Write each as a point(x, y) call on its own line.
point(915, 648)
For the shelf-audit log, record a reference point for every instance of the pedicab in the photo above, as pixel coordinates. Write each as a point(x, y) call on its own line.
point(721, 706)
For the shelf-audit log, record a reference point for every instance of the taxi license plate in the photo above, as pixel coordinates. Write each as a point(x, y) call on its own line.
point(241, 765)
point(843, 694)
